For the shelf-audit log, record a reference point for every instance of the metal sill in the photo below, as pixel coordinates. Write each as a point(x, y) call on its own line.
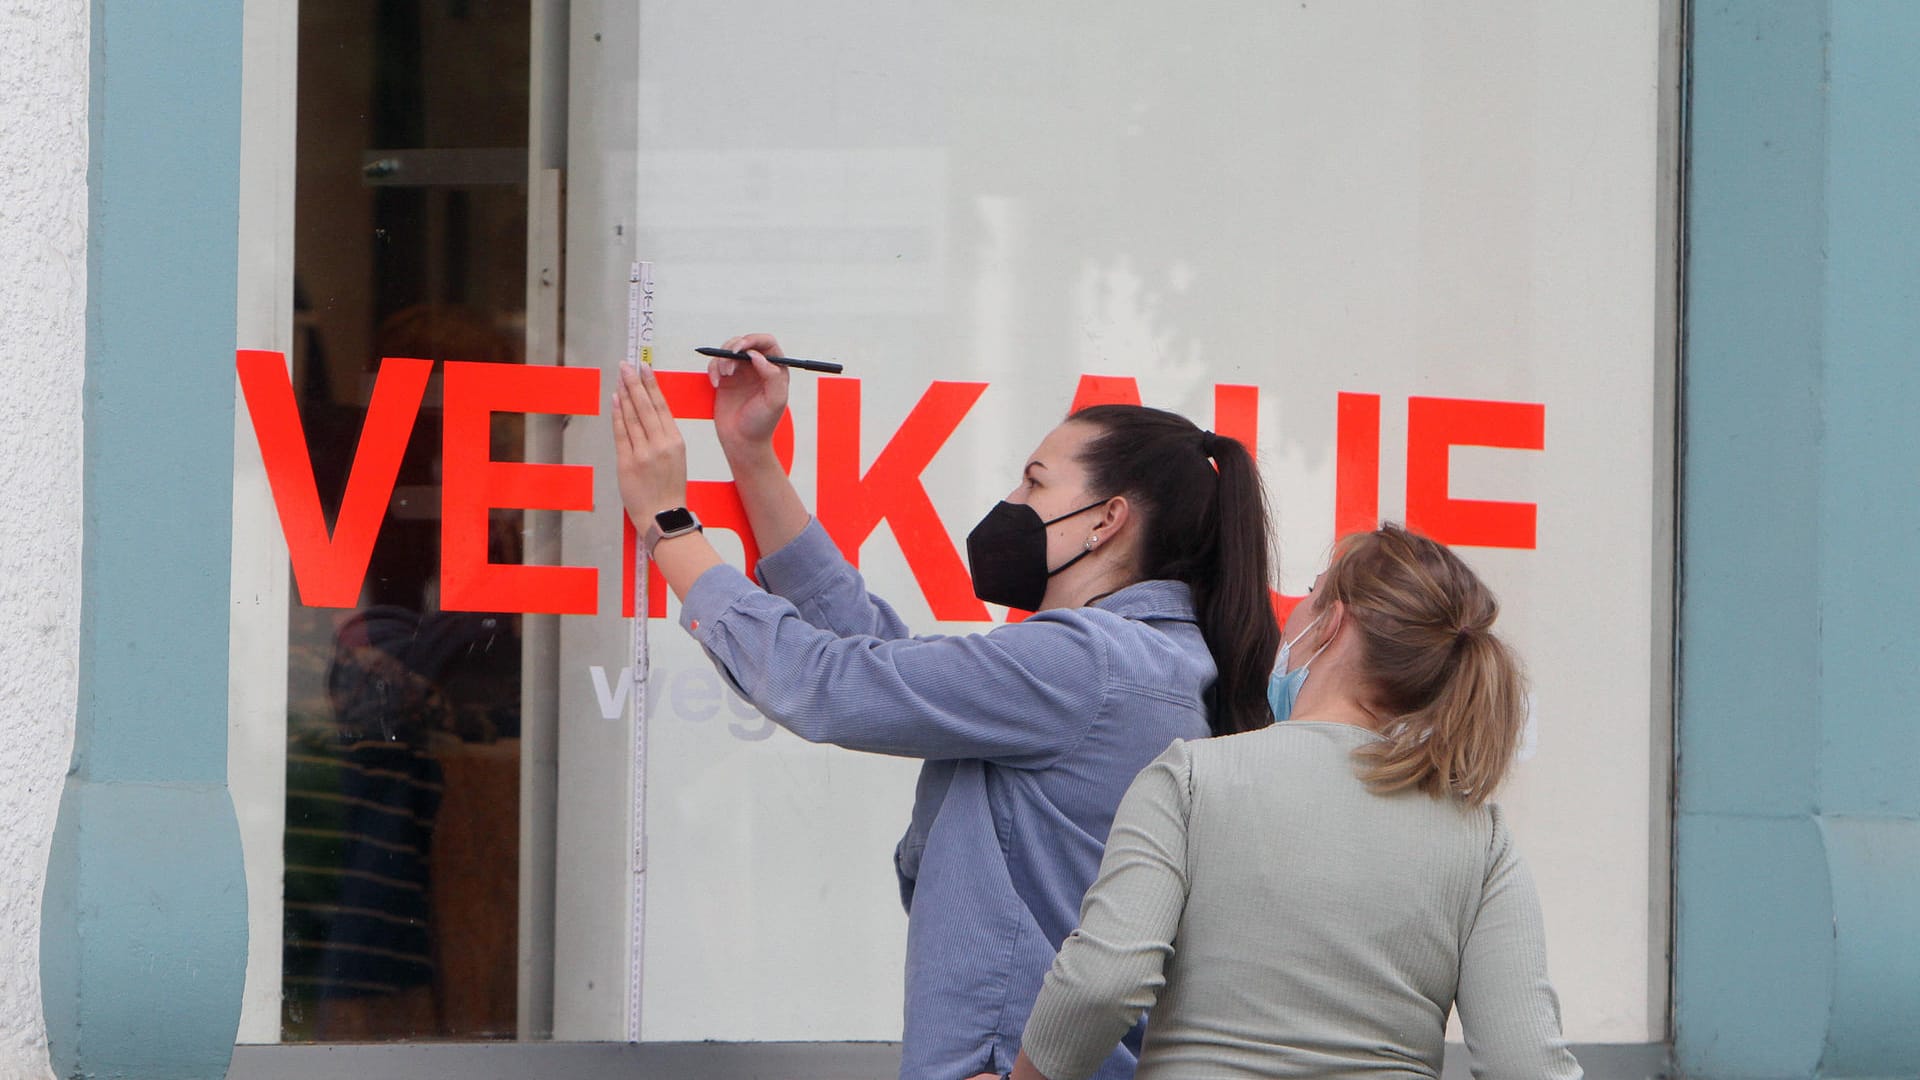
point(701, 1061)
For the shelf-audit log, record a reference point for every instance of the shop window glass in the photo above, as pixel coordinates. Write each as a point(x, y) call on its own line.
point(403, 726)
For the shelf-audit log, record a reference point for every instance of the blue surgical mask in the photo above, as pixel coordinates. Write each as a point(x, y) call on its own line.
point(1285, 685)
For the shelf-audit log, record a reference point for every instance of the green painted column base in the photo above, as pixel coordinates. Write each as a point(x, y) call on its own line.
point(1873, 864)
point(1806, 966)
point(144, 934)
point(1756, 967)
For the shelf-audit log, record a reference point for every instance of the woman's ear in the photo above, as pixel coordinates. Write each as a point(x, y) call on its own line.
point(1114, 519)
point(1336, 621)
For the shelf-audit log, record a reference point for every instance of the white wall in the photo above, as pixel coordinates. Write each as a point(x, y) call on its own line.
point(43, 298)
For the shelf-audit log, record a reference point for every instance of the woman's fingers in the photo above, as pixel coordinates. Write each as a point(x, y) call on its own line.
point(662, 413)
point(639, 406)
point(622, 442)
point(763, 342)
point(638, 440)
point(647, 406)
point(652, 457)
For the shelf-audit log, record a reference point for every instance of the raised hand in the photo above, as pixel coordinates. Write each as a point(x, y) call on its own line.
point(749, 398)
point(651, 455)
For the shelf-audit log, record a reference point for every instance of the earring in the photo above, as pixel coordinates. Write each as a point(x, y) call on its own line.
point(1092, 539)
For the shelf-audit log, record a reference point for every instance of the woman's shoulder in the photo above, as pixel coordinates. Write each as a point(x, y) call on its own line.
point(1292, 738)
point(1314, 761)
point(1500, 845)
point(1145, 625)
point(1128, 610)
point(1292, 755)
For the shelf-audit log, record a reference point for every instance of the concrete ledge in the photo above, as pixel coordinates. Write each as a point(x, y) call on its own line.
point(699, 1061)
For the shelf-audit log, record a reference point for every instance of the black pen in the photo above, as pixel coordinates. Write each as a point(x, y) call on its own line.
point(827, 366)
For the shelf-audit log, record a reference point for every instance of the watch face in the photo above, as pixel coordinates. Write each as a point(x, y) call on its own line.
point(675, 520)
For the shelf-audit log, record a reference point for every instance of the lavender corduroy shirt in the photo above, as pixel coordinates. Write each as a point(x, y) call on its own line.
point(1030, 735)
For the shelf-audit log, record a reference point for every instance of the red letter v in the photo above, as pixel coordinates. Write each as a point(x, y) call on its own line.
point(329, 569)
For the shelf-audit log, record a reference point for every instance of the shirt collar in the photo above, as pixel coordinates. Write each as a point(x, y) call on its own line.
point(1151, 600)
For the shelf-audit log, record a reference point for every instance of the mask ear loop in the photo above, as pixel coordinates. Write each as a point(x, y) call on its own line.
point(1286, 650)
point(1324, 646)
point(1075, 513)
point(1317, 652)
point(1093, 536)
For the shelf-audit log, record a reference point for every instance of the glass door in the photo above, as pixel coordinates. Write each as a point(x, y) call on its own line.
point(404, 720)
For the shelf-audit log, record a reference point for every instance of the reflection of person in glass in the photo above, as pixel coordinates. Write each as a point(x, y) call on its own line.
point(361, 813)
point(1338, 883)
point(400, 879)
point(380, 898)
point(1141, 543)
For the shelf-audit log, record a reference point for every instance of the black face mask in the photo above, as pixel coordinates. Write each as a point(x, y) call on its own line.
point(1007, 555)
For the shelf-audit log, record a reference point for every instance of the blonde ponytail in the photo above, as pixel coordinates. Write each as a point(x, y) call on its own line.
point(1463, 740)
point(1451, 690)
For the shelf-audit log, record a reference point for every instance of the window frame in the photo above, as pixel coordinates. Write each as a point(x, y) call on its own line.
point(260, 587)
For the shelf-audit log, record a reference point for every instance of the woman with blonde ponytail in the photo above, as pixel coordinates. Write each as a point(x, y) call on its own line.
point(1338, 883)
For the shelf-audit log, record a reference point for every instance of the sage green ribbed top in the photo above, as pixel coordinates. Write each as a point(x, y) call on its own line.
point(1282, 920)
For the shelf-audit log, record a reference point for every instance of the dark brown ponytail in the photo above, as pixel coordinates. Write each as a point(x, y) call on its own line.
point(1206, 525)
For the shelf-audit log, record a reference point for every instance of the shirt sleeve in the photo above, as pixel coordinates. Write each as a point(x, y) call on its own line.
point(1021, 695)
point(1508, 1009)
point(811, 573)
point(1111, 969)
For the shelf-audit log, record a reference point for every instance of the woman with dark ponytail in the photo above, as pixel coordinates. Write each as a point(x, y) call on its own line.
point(1337, 883)
point(1208, 531)
point(1140, 543)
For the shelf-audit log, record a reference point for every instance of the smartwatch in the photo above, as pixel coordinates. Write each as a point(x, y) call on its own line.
point(667, 524)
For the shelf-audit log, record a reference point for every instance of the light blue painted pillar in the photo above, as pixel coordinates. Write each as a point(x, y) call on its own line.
point(143, 936)
point(1797, 859)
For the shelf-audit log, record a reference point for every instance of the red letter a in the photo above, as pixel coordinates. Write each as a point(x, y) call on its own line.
point(329, 569)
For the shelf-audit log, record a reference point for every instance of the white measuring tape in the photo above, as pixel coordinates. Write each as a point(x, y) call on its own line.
point(639, 351)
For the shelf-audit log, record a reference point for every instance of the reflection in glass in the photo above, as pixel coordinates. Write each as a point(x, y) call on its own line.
point(403, 756)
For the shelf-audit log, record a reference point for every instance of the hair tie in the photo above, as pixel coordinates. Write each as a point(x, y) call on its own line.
point(1209, 444)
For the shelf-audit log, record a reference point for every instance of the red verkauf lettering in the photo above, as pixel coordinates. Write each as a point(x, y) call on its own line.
point(715, 502)
point(852, 505)
point(329, 567)
point(472, 483)
point(1356, 464)
point(1434, 427)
